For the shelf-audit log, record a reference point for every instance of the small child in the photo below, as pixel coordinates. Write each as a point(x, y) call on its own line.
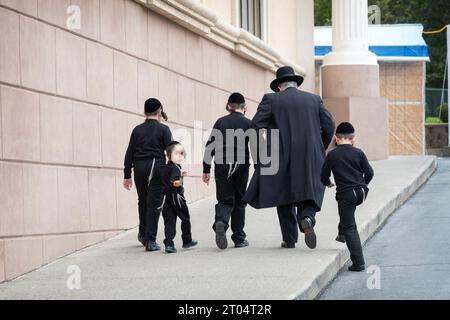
point(174, 203)
point(231, 171)
point(352, 173)
point(145, 154)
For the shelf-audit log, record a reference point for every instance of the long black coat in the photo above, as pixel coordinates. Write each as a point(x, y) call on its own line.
point(306, 129)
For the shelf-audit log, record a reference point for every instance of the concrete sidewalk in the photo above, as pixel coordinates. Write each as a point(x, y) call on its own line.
point(120, 268)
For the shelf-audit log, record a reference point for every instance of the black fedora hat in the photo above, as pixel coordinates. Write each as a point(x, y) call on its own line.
point(285, 74)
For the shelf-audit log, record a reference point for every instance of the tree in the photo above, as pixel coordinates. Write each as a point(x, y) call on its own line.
point(432, 14)
point(322, 13)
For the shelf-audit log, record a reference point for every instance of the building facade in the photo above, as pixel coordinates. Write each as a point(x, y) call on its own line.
point(74, 75)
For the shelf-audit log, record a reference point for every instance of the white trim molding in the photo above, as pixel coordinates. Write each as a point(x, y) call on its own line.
point(235, 13)
point(264, 21)
point(201, 20)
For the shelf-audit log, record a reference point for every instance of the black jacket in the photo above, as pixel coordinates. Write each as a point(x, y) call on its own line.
point(228, 150)
point(305, 129)
point(350, 168)
point(148, 140)
point(171, 173)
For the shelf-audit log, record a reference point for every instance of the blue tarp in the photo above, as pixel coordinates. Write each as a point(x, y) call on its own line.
point(385, 51)
point(401, 41)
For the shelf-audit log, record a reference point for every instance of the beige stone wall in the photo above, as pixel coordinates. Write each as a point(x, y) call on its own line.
point(69, 101)
point(317, 78)
point(305, 42)
point(289, 29)
point(402, 84)
point(282, 19)
point(228, 10)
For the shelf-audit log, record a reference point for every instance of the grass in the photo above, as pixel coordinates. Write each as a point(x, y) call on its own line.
point(433, 120)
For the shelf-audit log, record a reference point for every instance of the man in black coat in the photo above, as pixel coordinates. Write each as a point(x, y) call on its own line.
point(303, 130)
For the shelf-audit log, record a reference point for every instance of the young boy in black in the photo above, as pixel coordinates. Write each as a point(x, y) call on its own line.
point(352, 173)
point(231, 157)
point(174, 202)
point(146, 154)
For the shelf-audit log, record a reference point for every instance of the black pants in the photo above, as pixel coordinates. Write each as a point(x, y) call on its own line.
point(149, 195)
point(347, 203)
point(175, 206)
point(290, 217)
point(231, 183)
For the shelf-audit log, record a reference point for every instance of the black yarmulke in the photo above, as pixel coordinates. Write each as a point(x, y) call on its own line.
point(236, 97)
point(151, 105)
point(171, 143)
point(345, 128)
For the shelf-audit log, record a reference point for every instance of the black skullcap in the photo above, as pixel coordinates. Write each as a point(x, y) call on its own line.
point(345, 128)
point(152, 105)
point(171, 143)
point(236, 97)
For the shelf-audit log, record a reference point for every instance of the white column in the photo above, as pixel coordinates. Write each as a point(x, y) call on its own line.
point(350, 40)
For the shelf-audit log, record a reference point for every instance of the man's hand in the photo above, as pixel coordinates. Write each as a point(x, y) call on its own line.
point(331, 185)
point(184, 173)
point(206, 177)
point(127, 183)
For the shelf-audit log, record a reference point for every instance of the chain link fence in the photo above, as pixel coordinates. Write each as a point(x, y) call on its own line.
point(433, 97)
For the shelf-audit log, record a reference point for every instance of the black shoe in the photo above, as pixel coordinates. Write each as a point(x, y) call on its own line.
point(287, 245)
point(221, 237)
point(357, 268)
point(193, 243)
point(241, 244)
point(152, 246)
point(141, 239)
point(171, 249)
point(310, 235)
point(340, 238)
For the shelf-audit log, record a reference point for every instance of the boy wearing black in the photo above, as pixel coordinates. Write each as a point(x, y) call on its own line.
point(228, 144)
point(352, 173)
point(174, 202)
point(145, 153)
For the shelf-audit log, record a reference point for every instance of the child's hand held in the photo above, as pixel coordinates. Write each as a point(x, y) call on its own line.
point(206, 177)
point(127, 183)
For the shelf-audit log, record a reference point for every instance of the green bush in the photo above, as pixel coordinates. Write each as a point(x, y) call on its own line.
point(433, 120)
point(444, 113)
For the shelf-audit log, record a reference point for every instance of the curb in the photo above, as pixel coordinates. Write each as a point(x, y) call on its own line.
point(313, 290)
